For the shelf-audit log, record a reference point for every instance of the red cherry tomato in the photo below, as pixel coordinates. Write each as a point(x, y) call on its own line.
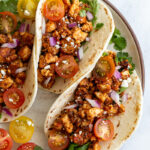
point(13, 98)
point(66, 66)
point(104, 129)
point(5, 140)
point(57, 140)
point(54, 10)
point(27, 146)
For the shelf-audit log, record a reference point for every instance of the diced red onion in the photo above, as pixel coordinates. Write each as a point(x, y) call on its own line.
point(124, 98)
point(19, 70)
point(80, 53)
point(47, 81)
point(7, 111)
point(117, 74)
point(11, 45)
point(71, 106)
point(28, 28)
point(115, 96)
point(22, 27)
point(89, 15)
point(72, 25)
point(118, 67)
point(94, 103)
point(52, 41)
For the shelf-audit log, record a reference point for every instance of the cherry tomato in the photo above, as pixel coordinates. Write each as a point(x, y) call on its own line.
point(54, 10)
point(105, 68)
point(8, 22)
point(13, 98)
point(104, 129)
point(21, 129)
point(6, 142)
point(57, 140)
point(27, 146)
point(27, 8)
point(66, 66)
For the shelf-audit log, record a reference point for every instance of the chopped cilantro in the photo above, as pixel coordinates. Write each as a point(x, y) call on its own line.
point(77, 59)
point(72, 146)
point(99, 26)
point(122, 89)
point(8, 5)
point(105, 54)
point(82, 13)
point(0, 116)
point(37, 148)
point(83, 147)
point(119, 41)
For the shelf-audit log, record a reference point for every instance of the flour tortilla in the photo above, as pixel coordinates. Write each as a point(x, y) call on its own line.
point(124, 124)
point(29, 89)
point(99, 42)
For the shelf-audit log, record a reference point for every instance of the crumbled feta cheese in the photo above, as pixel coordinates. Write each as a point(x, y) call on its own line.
point(57, 46)
point(65, 46)
point(62, 36)
point(3, 73)
point(1, 80)
point(11, 100)
point(47, 67)
point(72, 43)
point(63, 18)
point(68, 39)
point(57, 64)
point(65, 61)
point(120, 79)
point(27, 13)
point(58, 43)
point(80, 132)
point(124, 83)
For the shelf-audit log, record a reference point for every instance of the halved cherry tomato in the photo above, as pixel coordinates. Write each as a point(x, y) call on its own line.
point(105, 68)
point(104, 129)
point(8, 22)
point(13, 98)
point(27, 146)
point(66, 66)
point(21, 129)
point(27, 8)
point(54, 10)
point(6, 142)
point(57, 140)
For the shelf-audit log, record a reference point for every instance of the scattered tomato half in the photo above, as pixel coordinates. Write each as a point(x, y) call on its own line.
point(27, 8)
point(104, 129)
point(13, 98)
point(8, 22)
point(66, 66)
point(57, 140)
point(21, 129)
point(6, 142)
point(105, 68)
point(54, 10)
point(27, 146)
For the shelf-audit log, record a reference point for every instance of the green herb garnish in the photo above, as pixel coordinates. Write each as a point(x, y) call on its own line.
point(105, 54)
point(77, 59)
point(72, 146)
point(37, 148)
point(82, 13)
point(84, 147)
point(8, 5)
point(0, 116)
point(99, 26)
point(122, 89)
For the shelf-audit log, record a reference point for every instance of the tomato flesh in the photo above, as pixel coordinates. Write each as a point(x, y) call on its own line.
point(8, 22)
point(66, 66)
point(105, 68)
point(54, 10)
point(57, 140)
point(13, 98)
point(21, 129)
point(5, 140)
point(104, 129)
point(27, 146)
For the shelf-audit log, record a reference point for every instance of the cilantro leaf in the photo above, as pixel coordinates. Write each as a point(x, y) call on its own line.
point(99, 26)
point(105, 54)
point(84, 147)
point(122, 89)
point(82, 13)
point(8, 5)
point(37, 148)
point(72, 146)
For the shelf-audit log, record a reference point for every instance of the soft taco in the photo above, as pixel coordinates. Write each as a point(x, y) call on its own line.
point(100, 111)
point(18, 74)
point(70, 38)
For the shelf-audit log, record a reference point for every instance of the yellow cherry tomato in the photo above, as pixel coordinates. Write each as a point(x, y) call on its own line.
point(21, 129)
point(27, 8)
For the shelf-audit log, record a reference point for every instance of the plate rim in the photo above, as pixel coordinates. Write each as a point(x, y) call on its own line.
point(135, 40)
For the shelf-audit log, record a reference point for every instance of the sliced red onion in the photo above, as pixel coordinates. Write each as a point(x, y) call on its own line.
point(124, 98)
point(11, 45)
point(22, 27)
point(115, 96)
point(47, 81)
point(28, 28)
point(94, 103)
point(19, 70)
point(71, 106)
point(52, 41)
point(89, 16)
point(7, 111)
point(80, 53)
point(72, 25)
point(117, 74)
point(118, 67)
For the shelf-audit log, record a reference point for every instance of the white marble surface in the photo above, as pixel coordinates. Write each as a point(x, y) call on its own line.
point(137, 13)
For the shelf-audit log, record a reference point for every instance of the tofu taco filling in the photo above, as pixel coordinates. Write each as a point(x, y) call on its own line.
point(15, 52)
point(68, 28)
point(85, 120)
